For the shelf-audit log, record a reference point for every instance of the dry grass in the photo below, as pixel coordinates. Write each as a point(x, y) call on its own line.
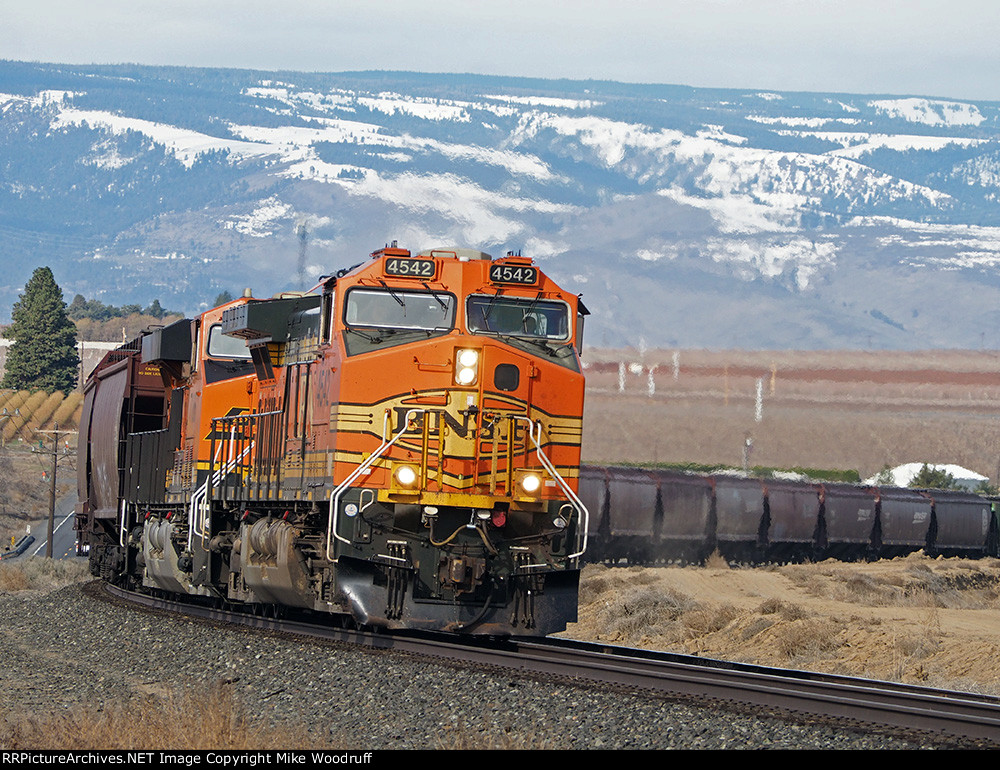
point(13, 579)
point(202, 719)
point(955, 584)
point(37, 573)
point(805, 638)
point(645, 611)
point(716, 560)
point(21, 474)
point(912, 619)
point(630, 607)
point(210, 718)
point(708, 620)
point(787, 612)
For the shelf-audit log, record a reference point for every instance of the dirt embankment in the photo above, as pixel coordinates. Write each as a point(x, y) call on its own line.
point(915, 619)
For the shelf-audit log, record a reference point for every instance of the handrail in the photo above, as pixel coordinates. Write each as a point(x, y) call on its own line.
point(336, 493)
point(122, 527)
point(197, 511)
point(547, 463)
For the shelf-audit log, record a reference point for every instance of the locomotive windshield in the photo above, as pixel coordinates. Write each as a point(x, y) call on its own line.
point(524, 317)
point(392, 308)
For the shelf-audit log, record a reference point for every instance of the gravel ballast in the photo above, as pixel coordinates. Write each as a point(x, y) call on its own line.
point(65, 649)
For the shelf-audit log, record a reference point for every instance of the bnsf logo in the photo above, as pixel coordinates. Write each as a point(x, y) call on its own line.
point(437, 417)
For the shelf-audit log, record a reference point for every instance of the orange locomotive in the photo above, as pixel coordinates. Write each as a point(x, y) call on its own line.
point(400, 445)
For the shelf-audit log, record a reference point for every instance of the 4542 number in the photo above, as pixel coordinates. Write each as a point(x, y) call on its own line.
point(514, 274)
point(410, 268)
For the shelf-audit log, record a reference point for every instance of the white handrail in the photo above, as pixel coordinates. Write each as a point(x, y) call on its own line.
point(121, 532)
point(573, 498)
point(198, 513)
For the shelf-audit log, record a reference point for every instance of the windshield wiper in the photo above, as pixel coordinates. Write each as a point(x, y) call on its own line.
point(527, 313)
point(393, 294)
point(489, 307)
point(374, 340)
point(441, 302)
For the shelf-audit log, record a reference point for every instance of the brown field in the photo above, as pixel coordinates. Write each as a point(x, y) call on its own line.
point(839, 409)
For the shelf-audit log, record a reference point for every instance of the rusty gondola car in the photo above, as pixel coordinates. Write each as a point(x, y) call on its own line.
point(399, 446)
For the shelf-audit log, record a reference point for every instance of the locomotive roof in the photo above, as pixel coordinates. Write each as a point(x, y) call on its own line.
point(459, 253)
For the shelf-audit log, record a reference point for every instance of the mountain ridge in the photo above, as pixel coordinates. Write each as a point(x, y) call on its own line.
point(741, 218)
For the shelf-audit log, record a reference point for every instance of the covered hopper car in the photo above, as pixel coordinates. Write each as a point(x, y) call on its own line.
point(660, 515)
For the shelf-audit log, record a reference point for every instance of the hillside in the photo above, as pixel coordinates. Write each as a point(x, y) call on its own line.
point(692, 217)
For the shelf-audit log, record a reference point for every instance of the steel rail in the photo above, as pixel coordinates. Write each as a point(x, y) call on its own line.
point(925, 710)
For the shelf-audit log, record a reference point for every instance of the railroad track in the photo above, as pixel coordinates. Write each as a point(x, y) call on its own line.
point(848, 700)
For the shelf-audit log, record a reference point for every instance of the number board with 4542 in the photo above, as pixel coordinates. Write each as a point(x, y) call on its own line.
point(520, 274)
point(410, 268)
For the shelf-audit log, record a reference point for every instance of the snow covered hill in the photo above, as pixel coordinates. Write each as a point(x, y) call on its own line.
point(688, 217)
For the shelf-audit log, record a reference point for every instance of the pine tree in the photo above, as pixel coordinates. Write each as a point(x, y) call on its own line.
point(43, 354)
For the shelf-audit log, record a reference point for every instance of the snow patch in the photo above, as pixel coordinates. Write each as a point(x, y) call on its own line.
point(740, 213)
point(788, 180)
point(477, 212)
point(930, 112)
point(294, 143)
point(545, 101)
point(804, 122)
point(184, 144)
point(802, 258)
point(106, 155)
point(855, 145)
point(262, 221)
point(719, 134)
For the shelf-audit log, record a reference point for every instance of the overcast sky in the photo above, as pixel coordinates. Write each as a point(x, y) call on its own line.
point(925, 47)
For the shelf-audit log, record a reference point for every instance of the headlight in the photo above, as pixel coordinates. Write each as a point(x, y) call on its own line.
point(530, 483)
point(466, 366)
point(405, 475)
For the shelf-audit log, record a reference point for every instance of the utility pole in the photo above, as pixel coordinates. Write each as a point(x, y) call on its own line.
point(55, 454)
point(303, 235)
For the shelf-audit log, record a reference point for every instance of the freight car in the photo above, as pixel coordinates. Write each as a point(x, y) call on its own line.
point(399, 447)
point(647, 516)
